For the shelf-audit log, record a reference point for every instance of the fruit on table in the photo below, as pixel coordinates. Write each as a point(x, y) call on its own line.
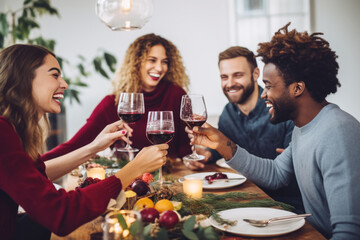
point(140, 187)
point(149, 215)
point(217, 175)
point(164, 205)
point(143, 203)
point(147, 177)
point(130, 194)
point(88, 181)
point(168, 219)
point(177, 205)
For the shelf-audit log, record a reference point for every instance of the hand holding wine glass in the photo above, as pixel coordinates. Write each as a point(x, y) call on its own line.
point(193, 113)
point(130, 109)
point(160, 129)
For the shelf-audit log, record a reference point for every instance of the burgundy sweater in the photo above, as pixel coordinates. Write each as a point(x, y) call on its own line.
point(166, 97)
point(24, 182)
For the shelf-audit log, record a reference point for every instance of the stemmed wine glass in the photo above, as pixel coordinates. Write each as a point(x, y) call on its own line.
point(193, 113)
point(130, 109)
point(160, 129)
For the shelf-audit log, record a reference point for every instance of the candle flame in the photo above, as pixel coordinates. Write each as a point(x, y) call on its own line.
point(126, 233)
point(117, 228)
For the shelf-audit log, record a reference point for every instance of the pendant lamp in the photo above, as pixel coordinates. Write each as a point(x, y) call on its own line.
point(124, 15)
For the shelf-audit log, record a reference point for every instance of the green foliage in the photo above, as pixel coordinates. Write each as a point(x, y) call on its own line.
point(16, 27)
point(109, 163)
point(183, 230)
point(122, 221)
point(210, 204)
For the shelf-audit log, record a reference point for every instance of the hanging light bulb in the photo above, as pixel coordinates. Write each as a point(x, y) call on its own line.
point(124, 15)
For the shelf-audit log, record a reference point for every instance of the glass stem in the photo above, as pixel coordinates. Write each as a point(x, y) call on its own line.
point(194, 153)
point(127, 144)
point(160, 176)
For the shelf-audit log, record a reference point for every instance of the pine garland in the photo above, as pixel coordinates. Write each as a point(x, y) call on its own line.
point(211, 204)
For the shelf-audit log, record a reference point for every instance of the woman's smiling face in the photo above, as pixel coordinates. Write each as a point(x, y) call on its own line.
point(154, 68)
point(48, 86)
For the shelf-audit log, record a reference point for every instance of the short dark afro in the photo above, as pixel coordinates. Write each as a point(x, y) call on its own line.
point(303, 57)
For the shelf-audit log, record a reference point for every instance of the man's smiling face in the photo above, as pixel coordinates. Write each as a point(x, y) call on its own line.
point(277, 95)
point(237, 79)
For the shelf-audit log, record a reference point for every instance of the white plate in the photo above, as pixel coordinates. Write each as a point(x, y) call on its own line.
point(221, 163)
point(215, 184)
point(245, 229)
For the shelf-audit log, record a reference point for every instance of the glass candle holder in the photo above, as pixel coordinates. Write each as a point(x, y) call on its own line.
point(123, 224)
point(193, 188)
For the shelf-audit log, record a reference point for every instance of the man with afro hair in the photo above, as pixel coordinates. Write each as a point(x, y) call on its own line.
point(324, 154)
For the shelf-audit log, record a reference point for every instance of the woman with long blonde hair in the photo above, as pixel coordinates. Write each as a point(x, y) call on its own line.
point(152, 65)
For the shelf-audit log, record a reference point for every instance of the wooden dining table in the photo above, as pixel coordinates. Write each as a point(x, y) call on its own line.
point(93, 230)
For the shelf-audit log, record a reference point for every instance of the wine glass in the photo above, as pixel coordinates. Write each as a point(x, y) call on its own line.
point(130, 109)
point(193, 113)
point(160, 129)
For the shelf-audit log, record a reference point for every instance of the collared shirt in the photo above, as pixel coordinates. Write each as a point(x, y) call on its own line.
point(254, 132)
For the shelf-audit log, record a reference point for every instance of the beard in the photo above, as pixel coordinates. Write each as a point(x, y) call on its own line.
point(282, 110)
point(247, 91)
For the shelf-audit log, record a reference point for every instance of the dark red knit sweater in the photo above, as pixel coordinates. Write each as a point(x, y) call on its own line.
point(166, 97)
point(24, 182)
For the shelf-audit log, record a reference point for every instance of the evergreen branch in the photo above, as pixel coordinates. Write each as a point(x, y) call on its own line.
point(229, 195)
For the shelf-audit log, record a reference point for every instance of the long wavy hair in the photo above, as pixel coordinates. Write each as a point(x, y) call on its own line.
point(128, 77)
point(303, 57)
point(17, 72)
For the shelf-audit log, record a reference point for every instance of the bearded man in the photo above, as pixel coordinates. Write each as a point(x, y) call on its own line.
point(300, 72)
point(245, 119)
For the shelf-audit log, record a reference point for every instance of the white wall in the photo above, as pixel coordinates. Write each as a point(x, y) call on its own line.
point(200, 29)
point(339, 21)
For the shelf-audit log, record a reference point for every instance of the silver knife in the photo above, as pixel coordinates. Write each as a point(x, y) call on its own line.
point(224, 179)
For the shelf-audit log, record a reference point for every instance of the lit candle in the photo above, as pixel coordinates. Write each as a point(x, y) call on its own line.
point(96, 172)
point(193, 188)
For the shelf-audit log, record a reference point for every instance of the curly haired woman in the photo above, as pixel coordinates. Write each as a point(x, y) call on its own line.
point(31, 86)
point(153, 66)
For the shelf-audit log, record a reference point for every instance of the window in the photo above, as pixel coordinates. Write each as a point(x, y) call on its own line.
point(255, 21)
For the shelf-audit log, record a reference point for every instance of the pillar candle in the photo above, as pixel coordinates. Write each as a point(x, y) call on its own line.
point(96, 172)
point(193, 188)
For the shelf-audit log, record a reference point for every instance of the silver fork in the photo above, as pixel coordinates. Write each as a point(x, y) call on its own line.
point(265, 222)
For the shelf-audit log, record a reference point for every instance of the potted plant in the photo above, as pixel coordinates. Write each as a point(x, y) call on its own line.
point(17, 26)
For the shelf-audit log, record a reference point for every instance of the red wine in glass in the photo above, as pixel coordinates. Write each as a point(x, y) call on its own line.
point(193, 113)
point(160, 129)
point(193, 123)
point(158, 137)
point(130, 109)
point(130, 117)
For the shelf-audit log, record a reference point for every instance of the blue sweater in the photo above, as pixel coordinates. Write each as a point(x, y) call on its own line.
point(324, 156)
point(258, 136)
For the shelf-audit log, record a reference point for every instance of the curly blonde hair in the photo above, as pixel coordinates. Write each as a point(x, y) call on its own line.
point(128, 77)
point(17, 72)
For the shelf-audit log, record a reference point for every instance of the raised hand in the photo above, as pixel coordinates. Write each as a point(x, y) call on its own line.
point(208, 136)
point(147, 160)
point(110, 134)
point(196, 165)
point(151, 158)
